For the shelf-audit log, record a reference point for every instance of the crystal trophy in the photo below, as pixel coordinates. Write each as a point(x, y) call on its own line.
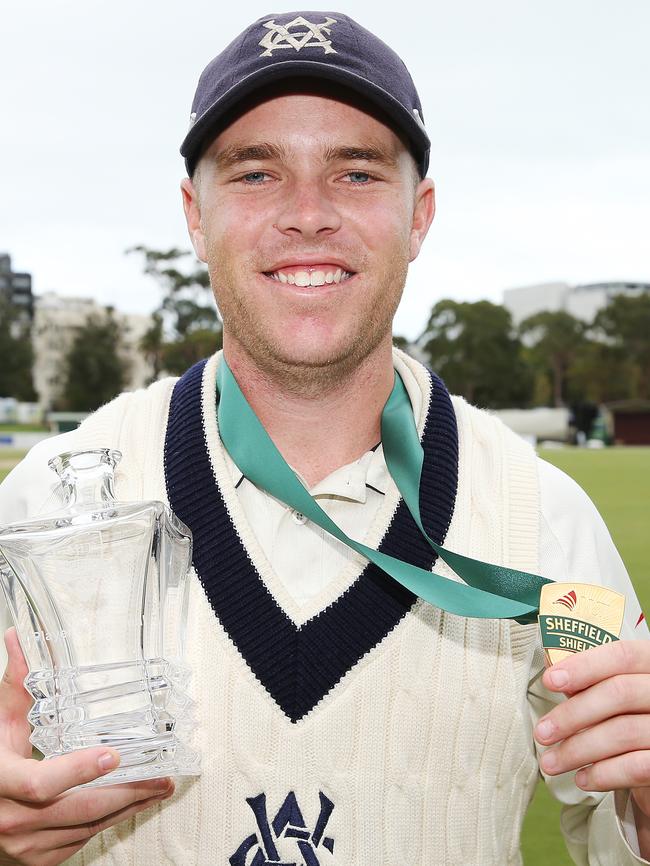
point(98, 594)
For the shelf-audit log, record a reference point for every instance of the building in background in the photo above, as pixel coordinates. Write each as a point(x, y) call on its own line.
point(628, 421)
point(56, 321)
point(583, 302)
point(17, 289)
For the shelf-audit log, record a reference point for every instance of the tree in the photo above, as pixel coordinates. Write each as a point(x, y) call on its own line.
point(152, 345)
point(93, 370)
point(624, 327)
point(186, 326)
point(601, 372)
point(554, 340)
point(16, 354)
point(475, 349)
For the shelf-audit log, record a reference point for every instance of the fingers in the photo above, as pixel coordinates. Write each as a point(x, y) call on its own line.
point(39, 781)
point(93, 804)
point(51, 839)
point(53, 846)
point(581, 670)
point(617, 736)
point(77, 833)
point(617, 695)
point(624, 771)
point(641, 799)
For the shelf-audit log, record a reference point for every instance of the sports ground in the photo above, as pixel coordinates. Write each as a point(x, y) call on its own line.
point(618, 480)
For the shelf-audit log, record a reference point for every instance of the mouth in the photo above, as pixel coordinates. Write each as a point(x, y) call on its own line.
point(310, 275)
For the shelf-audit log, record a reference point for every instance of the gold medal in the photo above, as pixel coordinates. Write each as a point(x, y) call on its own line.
point(577, 616)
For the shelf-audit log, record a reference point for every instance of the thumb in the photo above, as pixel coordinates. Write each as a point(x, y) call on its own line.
point(15, 700)
point(16, 669)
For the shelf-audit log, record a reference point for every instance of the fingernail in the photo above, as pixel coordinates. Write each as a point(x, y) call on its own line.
point(545, 729)
point(581, 778)
point(549, 760)
point(559, 678)
point(163, 788)
point(107, 761)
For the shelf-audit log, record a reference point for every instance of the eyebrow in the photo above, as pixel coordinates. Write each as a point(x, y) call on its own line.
point(236, 154)
point(265, 150)
point(365, 153)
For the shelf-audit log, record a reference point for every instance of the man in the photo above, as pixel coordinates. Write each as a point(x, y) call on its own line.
point(340, 719)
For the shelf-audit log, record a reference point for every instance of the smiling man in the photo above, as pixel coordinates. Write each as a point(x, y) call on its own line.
point(357, 702)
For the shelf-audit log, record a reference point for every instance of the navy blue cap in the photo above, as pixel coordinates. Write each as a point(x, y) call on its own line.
point(327, 46)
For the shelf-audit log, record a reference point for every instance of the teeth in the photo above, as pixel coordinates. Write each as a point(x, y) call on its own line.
point(311, 278)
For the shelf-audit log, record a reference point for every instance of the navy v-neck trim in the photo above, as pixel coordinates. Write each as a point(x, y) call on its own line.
point(299, 665)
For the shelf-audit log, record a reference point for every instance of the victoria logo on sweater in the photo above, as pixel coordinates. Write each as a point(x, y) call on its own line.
point(286, 840)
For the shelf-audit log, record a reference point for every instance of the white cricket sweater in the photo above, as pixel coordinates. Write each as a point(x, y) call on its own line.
point(421, 751)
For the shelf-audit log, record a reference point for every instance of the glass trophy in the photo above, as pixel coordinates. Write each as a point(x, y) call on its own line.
point(98, 594)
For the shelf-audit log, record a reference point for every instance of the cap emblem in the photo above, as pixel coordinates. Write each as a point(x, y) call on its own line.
point(279, 36)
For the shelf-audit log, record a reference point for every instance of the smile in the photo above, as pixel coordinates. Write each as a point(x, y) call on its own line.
point(312, 276)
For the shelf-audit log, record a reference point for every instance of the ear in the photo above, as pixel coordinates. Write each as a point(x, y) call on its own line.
point(424, 208)
point(192, 208)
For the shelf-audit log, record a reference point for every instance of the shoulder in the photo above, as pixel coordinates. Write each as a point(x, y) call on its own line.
point(482, 431)
point(127, 423)
point(575, 544)
point(575, 534)
point(564, 500)
point(571, 520)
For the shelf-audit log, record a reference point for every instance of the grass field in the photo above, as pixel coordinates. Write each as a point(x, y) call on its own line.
point(22, 428)
point(618, 480)
point(8, 459)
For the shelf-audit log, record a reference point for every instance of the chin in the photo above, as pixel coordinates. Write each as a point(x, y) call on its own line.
point(309, 357)
point(342, 353)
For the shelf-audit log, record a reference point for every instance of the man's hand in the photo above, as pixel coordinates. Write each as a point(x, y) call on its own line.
point(42, 822)
point(603, 729)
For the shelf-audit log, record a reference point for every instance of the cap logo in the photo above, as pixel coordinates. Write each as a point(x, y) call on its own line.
point(279, 36)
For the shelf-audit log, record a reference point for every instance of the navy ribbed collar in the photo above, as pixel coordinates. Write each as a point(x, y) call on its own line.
point(299, 665)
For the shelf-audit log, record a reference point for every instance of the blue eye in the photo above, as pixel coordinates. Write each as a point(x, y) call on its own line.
point(359, 176)
point(255, 177)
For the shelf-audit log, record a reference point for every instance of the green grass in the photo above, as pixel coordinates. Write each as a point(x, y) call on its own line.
point(8, 459)
point(618, 480)
point(23, 428)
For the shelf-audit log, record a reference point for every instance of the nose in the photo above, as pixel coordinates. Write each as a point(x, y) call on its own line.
point(308, 211)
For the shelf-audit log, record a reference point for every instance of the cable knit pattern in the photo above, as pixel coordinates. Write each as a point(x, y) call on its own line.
point(423, 747)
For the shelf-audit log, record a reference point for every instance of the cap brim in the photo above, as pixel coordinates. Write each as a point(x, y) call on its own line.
point(207, 124)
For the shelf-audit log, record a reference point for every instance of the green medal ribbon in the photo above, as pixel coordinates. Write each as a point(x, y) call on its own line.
point(489, 591)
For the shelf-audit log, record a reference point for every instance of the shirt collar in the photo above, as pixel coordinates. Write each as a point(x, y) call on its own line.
point(352, 481)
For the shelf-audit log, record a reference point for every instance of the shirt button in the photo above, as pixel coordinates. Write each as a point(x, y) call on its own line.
point(299, 518)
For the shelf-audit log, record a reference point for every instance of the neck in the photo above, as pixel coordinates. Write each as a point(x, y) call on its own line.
point(317, 433)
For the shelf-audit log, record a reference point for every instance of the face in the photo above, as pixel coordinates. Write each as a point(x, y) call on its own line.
point(307, 211)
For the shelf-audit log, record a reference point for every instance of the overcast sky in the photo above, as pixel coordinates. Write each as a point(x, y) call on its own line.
point(538, 113)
